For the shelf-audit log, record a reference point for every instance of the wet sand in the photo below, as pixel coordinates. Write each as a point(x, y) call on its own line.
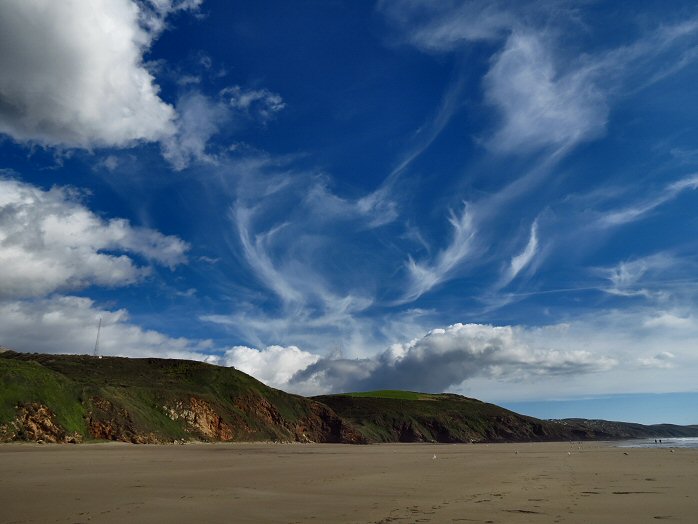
point(402, 483)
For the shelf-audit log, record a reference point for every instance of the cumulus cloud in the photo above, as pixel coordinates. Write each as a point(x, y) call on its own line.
point(444, 358)
point(273, 365)
point(50, 241)
point(68, 324)
point(73, 73)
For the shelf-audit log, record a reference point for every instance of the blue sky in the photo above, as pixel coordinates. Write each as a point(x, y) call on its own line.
point(491, 198)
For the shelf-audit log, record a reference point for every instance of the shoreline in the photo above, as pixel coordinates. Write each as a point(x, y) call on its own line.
point(611, 442)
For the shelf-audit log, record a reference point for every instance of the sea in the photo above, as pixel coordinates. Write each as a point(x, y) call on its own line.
point(672, 442)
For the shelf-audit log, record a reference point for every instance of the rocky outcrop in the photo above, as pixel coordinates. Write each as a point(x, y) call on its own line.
point(37, 423)
point(109, 422)
point(201, 418)
point(324, 425)
point(319, 424)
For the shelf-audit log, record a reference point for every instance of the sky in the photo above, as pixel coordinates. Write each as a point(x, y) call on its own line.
point(491, 198)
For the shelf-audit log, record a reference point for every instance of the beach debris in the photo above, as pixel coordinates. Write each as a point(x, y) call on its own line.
point(625, 453)
point(434, 457)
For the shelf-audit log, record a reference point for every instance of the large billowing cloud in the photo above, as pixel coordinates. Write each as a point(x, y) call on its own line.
point(438, 361)
point(73, 72)
point(274, 365)
point(49, 241)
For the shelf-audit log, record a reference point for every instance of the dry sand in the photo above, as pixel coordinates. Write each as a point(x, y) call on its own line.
point(236, 483)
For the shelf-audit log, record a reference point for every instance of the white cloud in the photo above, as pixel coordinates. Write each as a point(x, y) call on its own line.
point(198, 119)
point(260, 104)
point(661, 360)
point(524, 258)
point(285, 224)
point(273, 365)
point(665, 319)
point(73, 72)
point(635, 277)
point(50, 241)
point(541, 105)
point(444, 26)
point(68, 324)
point(343, 330)
point(548, 94)
point(255, 249)
point(607, 351)
point(639, 210)
point(445, 358)
point(424, 276)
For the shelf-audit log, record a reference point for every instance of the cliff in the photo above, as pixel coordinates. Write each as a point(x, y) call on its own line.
point(69, 398)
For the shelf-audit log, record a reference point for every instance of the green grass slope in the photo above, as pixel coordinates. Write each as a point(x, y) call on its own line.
point(29, 382)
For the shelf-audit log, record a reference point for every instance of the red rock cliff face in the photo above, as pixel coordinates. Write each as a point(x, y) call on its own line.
point(320, 425)
point(323, 425)
point(36, 422)
point(255, 417)
point(108, 422)
point(200, 417)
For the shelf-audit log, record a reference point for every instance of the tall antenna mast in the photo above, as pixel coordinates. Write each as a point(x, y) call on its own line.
point(99, 328)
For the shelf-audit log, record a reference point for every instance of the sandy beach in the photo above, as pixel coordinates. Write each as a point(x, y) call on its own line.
point(286, 483)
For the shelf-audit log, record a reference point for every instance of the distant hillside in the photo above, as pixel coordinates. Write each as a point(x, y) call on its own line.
point(59, 398)
point(403, 416)
point(600, 429)
point(406, 416)
point(73, 398)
